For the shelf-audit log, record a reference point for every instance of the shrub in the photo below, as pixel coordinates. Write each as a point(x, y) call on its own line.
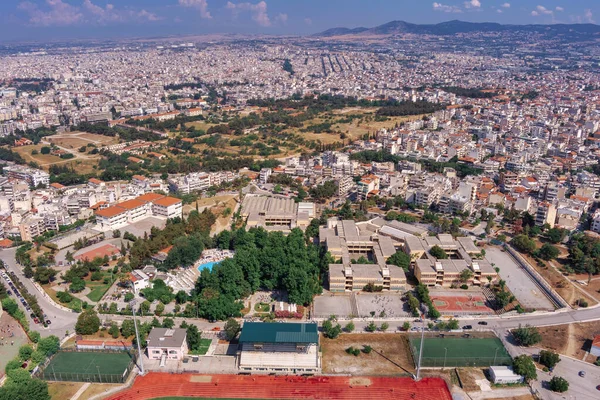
point(64, 297)
point(367, 349)
point(353, 351)
point(371, 327)
point(349, 327)
point(463, 286)
point(527, 336)
point(549, 358)
point(559, 384)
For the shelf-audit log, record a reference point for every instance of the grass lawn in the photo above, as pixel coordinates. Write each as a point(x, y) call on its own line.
point(98, 288)
point(204, 345)
point(262, 307)
point(74, 304)
point(97, 291)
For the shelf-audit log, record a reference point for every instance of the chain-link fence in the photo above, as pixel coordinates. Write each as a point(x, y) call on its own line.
point(87, 369)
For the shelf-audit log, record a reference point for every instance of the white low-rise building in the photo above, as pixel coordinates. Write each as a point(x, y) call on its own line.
point(504, 375)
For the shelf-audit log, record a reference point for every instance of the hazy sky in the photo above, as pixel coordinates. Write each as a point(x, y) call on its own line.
point(61, 19)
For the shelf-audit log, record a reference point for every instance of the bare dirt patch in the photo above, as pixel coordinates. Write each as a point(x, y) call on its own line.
point(390, 354)
point(63, 390)
point(573, 342)
point(468, 378)
point(96, 389)
point(561, 284)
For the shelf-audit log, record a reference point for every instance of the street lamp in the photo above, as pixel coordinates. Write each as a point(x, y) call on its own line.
point(137, 335)
point(445, 354)
point(495, 353)
point(421, 346)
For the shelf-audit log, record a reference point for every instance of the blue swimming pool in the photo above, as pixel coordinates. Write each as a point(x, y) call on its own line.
point(207, 266)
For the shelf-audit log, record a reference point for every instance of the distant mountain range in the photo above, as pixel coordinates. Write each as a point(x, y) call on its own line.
point(455, 26)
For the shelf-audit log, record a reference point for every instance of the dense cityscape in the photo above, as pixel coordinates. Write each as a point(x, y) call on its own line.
point(418, 210)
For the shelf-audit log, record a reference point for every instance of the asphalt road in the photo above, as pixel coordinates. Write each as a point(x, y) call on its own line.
point(580, 387)
point(61, 321)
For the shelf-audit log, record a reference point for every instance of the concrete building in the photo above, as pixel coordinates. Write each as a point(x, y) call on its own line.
point(130, 211)
point(462, 253)
point(595, 347)
point(545, 214)
point(167, 344)
point(34, 177)
point(276, 213)
point(31, 227)
point(504, 375)
point(347, 243)
point(291, 348)
point(595, 226)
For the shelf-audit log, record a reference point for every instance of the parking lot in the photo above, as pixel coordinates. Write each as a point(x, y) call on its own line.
point(518, 280)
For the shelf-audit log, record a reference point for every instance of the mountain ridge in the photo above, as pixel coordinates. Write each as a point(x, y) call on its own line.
point(454, 27)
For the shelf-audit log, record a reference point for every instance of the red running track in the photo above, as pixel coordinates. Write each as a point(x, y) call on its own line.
point(154, 385)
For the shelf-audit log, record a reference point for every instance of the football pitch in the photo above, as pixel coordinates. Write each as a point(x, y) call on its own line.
point(88, 366)
point(459, 351)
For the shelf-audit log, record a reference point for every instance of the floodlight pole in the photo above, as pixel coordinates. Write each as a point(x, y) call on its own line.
point(421, 346)
point(495, 353)
point(445, 354)
point(99, 376)
point(137, 335)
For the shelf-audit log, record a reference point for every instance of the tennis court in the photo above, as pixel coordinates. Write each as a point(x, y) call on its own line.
point(83, 366)
point(460, 351)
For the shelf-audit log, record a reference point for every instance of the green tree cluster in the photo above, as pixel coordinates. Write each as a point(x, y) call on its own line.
point(437, 252)
point(262, 259)
point(523, 365)
point(527, 335)
point(523, 243)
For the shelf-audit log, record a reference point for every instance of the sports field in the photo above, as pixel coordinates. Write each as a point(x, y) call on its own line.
point(472, 304)
point(88, 366)
point(459, 351)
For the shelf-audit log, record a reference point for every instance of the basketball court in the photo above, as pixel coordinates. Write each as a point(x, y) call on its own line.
point(101, 251)
point(471, 303)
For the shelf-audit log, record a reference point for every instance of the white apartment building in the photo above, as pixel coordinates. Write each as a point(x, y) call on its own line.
point(265, 173)
point(33, 176)
point(167, 207)
point(130, 211)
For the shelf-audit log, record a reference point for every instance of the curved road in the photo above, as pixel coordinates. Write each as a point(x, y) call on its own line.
point(61, 321)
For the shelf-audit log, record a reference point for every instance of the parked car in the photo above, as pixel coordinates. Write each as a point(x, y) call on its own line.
point(482, 323)
point(466, 327)
point(48, 322)
point(582, 374)
point(35, 320)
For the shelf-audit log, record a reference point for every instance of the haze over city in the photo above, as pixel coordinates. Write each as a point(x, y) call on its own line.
point(75, 19)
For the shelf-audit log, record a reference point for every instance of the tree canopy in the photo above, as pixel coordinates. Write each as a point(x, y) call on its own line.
point(524, 366)
point(527, 335)
point(262, 259)
point(87, 322)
